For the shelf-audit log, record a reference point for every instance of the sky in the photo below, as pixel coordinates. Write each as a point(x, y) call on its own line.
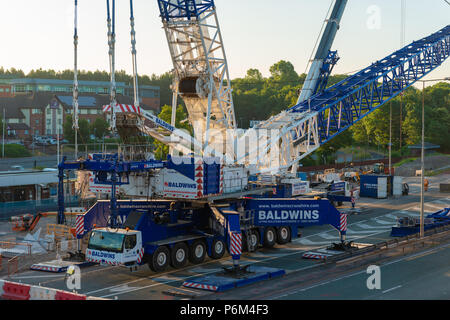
point(256, 33)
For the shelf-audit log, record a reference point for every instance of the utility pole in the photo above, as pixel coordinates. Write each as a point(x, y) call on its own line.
point(401, 116)
point(390, 137)
point(3, 135)
point(422, 165)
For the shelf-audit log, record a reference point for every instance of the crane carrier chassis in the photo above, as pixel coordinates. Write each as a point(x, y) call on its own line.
point(163, 232)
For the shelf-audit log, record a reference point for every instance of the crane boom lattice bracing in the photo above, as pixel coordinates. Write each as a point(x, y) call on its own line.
point(200, 68)
point(305, 127)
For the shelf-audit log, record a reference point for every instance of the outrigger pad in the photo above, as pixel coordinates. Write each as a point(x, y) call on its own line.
point(58, 265)
point(228, 279)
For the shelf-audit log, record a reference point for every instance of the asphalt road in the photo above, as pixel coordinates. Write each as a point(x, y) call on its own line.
point(371, 225)
point(422, 276)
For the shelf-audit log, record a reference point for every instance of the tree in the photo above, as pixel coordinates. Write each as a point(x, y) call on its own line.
point(162, 150)
point(283, 71)
point(83, 131)
point(100, 127)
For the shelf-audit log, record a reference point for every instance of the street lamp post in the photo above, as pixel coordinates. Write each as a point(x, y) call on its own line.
point(422, 164)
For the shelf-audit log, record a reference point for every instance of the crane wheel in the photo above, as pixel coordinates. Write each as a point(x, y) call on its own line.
point(197, 252)
point(283, 235)
point(270, 237)
point(217, 249)
point(254, 241)
point(159, 260)
point(179, 255)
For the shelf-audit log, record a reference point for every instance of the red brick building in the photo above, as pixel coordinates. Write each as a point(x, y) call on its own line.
point(44, 113)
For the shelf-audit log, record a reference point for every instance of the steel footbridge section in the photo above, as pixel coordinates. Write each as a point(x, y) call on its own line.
point(297, 132)
point(133, 118)
point(201, 76)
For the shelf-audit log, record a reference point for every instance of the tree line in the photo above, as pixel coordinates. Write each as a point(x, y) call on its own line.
point(257, 98)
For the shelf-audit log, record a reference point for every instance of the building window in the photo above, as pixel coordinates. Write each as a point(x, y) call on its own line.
point(83, 111)
point(26, 131)
point(59, 121)
point(49, 111)
point(37, 121)
point(49, 122)
point(49, 131)
point(20, 88)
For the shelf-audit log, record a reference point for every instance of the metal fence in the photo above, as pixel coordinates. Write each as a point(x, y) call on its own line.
point(9, 209)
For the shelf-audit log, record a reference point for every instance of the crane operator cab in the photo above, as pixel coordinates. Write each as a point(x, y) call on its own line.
point(115, 247)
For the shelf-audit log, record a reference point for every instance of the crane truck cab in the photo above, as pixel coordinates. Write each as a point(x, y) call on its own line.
point(115, 246)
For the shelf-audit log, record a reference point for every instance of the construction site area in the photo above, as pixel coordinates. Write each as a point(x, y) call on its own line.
point(199, 208)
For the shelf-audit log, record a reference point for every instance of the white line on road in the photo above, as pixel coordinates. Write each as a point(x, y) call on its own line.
point(391, 289)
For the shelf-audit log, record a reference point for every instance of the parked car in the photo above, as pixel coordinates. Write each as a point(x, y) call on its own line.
point(17, 168)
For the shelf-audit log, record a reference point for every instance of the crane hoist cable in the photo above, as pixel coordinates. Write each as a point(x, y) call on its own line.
point(75, 79)
point(133, 53)
point(111, 23)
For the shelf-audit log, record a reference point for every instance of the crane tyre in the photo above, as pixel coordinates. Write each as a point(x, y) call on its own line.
point(197, 252)
point(283, 235)
point(270, 237)
point(179, 255)
point(217, 249)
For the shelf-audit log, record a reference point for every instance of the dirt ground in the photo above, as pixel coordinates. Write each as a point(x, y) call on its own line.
point(431, 163)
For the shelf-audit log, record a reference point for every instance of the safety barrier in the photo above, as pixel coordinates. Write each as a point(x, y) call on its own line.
point(15, 291)
point(41, 293)
point(63, 295)
point(18, 291)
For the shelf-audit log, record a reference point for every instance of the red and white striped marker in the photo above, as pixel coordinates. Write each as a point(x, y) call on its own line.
point(199, 286)
point(235, 243)
point(343, 225)
point(79, 224)
point(199, 178)
point(123, 108)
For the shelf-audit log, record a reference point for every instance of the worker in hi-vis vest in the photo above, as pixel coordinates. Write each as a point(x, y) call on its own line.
point(425, 184)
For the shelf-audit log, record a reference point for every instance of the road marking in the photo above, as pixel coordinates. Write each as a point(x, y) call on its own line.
point(359, 272)
point(377, 220)
point(366, 226)
point(391, 289)
point(34, 277)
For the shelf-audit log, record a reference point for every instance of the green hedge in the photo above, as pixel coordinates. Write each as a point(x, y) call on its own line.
point(15, 151)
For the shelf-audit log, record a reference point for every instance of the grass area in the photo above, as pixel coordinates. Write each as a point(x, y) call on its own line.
point(402, 162)
point(412, 159)
point(432, 173)
point(16, 151)
point(361, 153)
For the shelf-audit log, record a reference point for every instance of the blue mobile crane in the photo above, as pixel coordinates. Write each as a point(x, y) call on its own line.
point(165, 229)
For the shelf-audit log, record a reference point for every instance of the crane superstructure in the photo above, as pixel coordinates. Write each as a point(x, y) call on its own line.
point(201, 76)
